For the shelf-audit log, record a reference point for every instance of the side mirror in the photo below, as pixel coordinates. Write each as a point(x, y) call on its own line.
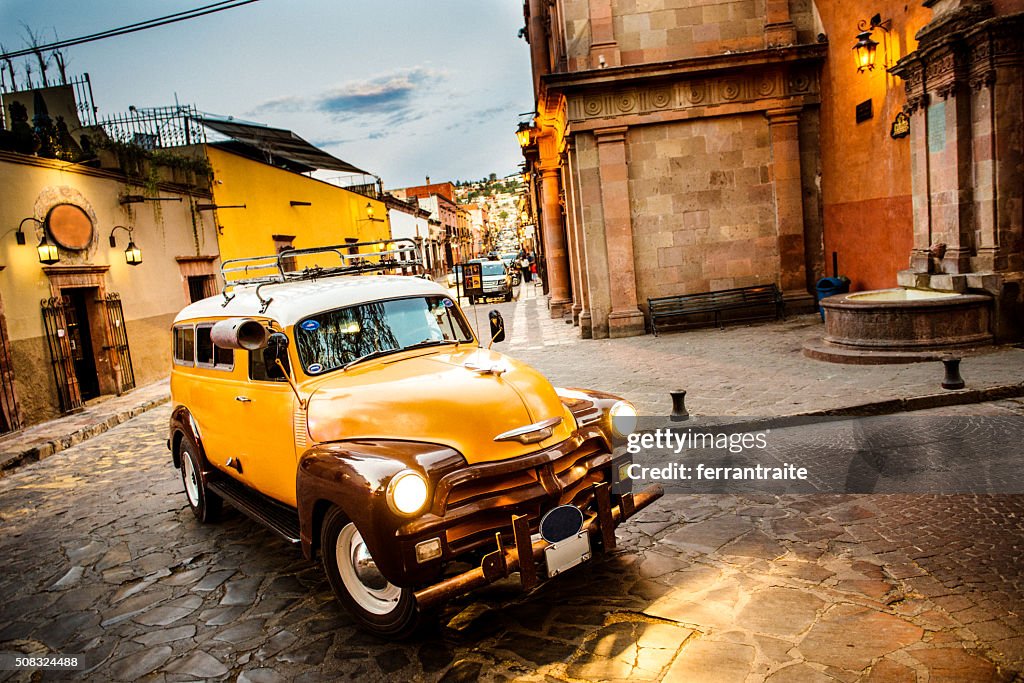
point(497, 326)
point(276, 349)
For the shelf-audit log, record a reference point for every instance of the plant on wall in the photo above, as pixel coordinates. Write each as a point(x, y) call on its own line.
point(137, 162)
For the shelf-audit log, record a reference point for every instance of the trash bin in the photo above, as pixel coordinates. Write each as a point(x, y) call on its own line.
point(830, 286)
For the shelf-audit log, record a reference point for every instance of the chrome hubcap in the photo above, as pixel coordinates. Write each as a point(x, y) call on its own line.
point(363, 581)
point(366, 568)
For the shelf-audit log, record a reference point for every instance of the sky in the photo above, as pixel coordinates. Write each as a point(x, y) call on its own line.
point(402, 88)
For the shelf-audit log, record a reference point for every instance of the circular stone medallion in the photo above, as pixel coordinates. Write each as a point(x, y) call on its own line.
point(70, 226)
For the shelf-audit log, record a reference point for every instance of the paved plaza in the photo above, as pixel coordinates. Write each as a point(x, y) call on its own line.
point(102, 557)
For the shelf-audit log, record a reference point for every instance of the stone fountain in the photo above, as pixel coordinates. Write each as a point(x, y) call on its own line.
point(965, 98)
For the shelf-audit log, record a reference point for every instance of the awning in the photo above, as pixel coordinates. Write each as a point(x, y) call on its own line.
point(279, 143)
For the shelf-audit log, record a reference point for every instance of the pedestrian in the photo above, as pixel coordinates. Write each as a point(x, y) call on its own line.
point(524, 266)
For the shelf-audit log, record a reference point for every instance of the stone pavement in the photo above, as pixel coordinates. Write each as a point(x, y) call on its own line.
point(102, 557)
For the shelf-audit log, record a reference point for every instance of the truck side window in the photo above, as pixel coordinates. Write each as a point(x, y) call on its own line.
point(261, 372)
point(209, 354)
point(184, 345)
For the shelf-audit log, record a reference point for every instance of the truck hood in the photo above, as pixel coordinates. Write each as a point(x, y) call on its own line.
point(440, 396)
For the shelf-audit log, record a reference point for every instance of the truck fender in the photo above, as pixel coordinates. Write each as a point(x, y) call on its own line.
point(354, 475)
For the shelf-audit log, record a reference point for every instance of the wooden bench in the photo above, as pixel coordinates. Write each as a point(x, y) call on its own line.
point(762, 301)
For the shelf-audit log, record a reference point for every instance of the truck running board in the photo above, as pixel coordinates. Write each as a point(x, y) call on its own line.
point(279, 518)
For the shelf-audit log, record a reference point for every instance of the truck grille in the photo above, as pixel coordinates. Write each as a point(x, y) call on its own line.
point(472, 503)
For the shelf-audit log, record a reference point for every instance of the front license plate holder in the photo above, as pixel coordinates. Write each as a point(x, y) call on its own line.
point(567, 553)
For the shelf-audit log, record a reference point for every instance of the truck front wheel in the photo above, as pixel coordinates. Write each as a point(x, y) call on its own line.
point(206, 506)
point(378, 605)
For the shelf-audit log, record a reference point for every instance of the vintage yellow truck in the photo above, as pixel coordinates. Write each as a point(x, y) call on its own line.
point(357, 414)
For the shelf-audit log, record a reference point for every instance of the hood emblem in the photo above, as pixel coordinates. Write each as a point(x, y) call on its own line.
point(493, 369)
point(538, 431)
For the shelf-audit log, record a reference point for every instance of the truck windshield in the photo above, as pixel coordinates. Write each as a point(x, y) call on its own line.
point(494, 268)
point(335, 339)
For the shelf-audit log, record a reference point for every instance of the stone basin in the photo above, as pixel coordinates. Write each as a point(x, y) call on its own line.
point(900, 294)
point(901, 325)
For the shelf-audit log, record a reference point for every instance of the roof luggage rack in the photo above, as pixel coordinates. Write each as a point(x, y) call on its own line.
point(380, 255)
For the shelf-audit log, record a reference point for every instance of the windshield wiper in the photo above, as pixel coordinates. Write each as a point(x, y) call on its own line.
point(373, 354)
point(384, 352)
point(432, 342)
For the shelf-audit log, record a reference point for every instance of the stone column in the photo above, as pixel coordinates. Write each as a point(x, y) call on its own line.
point(997, 87)
point(556, 259)
point(783, 126)
point(920, 184)
point(602, 35)
point(625, 318)
point(778, 25)
point(949, 165)
point(577, 253)
point(536, 33)
point(586, 170)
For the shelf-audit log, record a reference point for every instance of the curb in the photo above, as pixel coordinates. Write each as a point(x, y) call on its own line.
point(48, 448)
point(901, 405)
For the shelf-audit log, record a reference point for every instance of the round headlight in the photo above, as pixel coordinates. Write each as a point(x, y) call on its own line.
point(407, 492)
point(623, 418)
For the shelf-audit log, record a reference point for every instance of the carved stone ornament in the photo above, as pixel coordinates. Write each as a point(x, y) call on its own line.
point(985, 79)
point(694, 93)
point(55, 196)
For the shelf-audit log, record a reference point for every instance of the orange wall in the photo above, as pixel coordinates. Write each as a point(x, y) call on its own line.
point(865, 173)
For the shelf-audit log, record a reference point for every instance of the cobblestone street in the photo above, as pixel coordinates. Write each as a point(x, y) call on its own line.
point(104, 559)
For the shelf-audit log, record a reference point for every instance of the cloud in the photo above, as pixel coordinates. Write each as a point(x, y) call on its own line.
point(391, 95)
point(503, 111)
point(291, 103)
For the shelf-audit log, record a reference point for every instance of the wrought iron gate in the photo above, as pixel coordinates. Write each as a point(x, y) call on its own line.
point(119, 339)
point(55, 314)
point(10, 416)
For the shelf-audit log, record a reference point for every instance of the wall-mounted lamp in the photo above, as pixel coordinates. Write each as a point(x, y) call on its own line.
point(138, 199)
point(369, 213)
point(48, 254)
point(211, 207)
point(865, 48)
point(524, 133)
point(132, 254)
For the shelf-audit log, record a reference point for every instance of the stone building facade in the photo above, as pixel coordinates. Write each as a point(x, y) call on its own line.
point(683, 146)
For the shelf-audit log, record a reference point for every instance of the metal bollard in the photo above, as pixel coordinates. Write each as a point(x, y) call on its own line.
point(679, 405)
point(952, 380)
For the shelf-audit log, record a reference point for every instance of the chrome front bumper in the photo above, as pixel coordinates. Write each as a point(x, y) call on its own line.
point(524, 554)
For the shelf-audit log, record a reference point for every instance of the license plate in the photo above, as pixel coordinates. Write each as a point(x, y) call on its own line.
point(567, 554)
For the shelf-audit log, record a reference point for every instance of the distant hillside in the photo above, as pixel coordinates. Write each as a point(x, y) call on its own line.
point(470, 190)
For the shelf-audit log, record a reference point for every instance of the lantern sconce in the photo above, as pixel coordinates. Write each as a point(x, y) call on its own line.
point(47, 250)
point(369, 214)
point(132, 254)
point(865, 48)
point(48, 254)
point(524, 134)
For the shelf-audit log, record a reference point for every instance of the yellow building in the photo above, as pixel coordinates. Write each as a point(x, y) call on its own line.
point(264, 209)
point(87, 321)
